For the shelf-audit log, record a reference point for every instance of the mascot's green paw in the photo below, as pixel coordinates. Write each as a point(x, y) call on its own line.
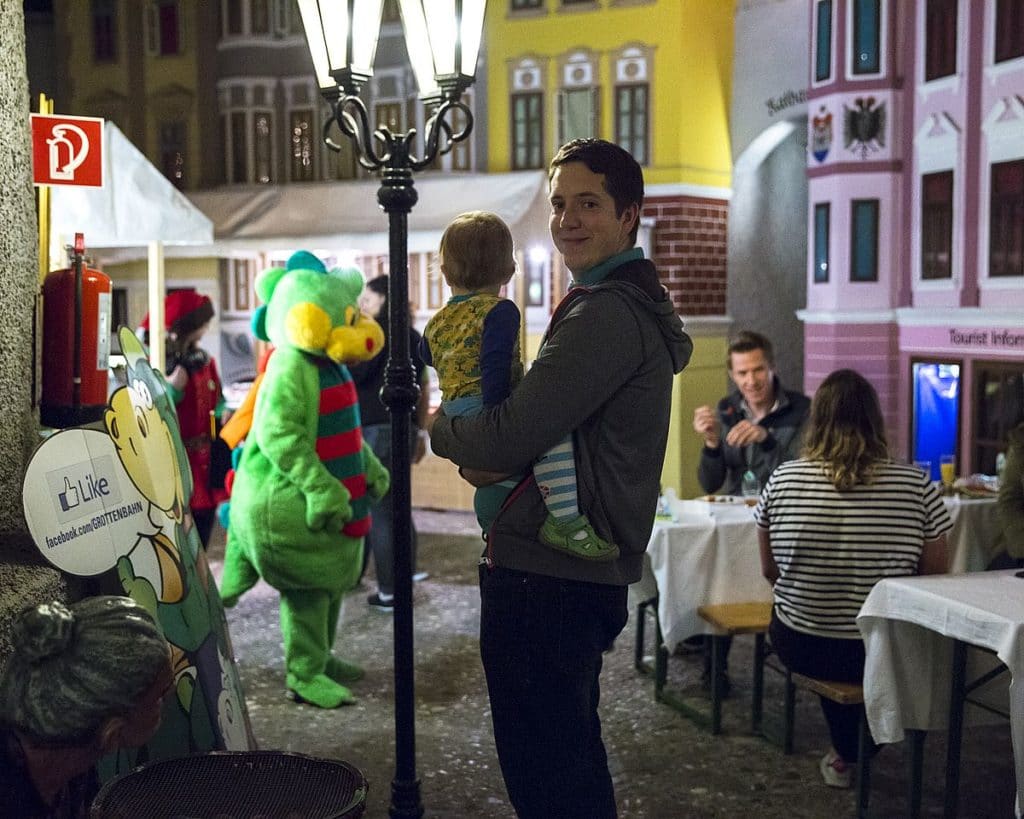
point(320, 691)
point(343, 671)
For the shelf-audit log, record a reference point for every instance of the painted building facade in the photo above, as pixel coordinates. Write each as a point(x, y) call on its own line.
point(915, 272)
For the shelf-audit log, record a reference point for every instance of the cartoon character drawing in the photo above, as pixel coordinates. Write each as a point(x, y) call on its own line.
point(165, 569)
point(300, 497)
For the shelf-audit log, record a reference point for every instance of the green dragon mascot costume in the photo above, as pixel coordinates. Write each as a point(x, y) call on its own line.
point(300, 499)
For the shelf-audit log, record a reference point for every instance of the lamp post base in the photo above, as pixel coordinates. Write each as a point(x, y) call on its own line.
point(405, 800)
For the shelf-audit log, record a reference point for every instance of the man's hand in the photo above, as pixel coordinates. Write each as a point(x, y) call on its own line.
point(481, 477)
point(745, 433)
point(705, 423)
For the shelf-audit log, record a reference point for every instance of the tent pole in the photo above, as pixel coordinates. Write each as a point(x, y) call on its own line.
point(156, 305)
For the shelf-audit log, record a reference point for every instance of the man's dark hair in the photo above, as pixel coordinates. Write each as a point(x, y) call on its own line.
point(623, 176)
point(747, 341)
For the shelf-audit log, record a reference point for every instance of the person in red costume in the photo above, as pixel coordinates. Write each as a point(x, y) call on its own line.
point(195, 388)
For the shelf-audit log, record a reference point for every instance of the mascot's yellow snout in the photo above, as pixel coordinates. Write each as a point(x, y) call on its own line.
point(309, 328)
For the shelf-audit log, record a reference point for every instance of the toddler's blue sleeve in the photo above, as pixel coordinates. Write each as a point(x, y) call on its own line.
point(497, 345)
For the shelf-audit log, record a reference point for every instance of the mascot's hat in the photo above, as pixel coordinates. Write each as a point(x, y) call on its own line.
point(184, 311)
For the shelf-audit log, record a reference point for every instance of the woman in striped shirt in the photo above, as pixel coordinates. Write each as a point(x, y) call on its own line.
point(832, 524)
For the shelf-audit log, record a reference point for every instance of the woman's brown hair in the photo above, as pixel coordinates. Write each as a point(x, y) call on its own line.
point(845, 429)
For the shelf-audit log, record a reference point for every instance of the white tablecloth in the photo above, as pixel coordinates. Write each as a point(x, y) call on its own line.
point(906, 622)
point(702, 558)
point(710, 555)
point(975, 532)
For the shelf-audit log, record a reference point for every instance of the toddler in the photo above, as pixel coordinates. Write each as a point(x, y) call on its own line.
point(473, 343)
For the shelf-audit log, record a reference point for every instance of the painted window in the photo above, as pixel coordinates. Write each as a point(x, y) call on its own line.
point(536, 279)
point(104, 31)
point(998, 408)
point(258, 18)
point(389, 115)
point(263, 143)
point(248, 133)
point(233, 25)
point(822, 228)
point(172, 138)
point(237, 144)
point(864, 240)
point(1009, 30)
point(302, 145)
point(520, 5)
point(577, 114)
point(867, 36)
point(578, 97)
point(631, 120)
point(163, 32)
point(823, 42)
point(1006, 220)
point(527, 131)
point(435, 282)
point(940, 39)
point(937, 225)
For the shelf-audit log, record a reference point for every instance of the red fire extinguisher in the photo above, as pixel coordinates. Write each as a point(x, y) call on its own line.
point(76, 342)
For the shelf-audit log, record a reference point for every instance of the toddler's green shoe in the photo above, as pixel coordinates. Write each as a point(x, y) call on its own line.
point(578, 538)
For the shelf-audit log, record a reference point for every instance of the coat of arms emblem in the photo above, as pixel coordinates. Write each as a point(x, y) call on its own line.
point(821, 134)
point(864, 126)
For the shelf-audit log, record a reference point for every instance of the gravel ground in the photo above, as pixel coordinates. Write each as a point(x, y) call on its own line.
point(663, 765)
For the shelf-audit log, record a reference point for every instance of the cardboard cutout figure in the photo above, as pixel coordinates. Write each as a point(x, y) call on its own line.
point(114, 503)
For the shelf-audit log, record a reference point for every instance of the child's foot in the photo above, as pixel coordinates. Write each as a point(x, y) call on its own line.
point(320, 691)
point(343, 671)
point(578, 538)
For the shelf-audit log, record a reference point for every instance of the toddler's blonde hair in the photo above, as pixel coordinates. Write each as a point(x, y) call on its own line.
point(476, 251)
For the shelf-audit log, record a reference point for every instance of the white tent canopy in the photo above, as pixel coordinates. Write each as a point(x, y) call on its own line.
point(136, 205)
point(346, 214)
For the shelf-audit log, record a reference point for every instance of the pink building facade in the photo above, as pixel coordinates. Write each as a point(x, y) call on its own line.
point(915, 272)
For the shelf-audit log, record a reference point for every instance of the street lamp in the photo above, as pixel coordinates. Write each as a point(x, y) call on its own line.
point(443, 40)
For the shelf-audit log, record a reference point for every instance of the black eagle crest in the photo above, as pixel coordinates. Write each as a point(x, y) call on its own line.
point(864, 126)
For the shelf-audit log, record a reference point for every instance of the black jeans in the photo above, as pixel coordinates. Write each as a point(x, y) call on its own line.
point(380, 539)
point(827, 659)
point(542, 641)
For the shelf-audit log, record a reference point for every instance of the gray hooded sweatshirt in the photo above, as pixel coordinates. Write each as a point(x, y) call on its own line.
point(604, 374)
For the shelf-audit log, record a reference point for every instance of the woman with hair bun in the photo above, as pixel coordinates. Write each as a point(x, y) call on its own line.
point(84, 679)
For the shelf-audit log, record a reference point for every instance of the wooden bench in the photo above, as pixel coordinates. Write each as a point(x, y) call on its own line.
point(729, 620)
point(842, 693)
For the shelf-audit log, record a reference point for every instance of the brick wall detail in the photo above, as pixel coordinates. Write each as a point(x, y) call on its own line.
point(690, 250)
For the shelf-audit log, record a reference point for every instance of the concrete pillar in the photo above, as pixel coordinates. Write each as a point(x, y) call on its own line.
point(23, 579)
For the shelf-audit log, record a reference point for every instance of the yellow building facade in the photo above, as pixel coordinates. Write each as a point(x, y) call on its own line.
point(654, 76)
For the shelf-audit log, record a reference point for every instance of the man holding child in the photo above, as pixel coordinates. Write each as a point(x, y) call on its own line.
point(604, 376)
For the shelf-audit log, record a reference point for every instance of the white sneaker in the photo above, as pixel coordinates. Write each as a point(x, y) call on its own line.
point(835, 771)
point(419, 577)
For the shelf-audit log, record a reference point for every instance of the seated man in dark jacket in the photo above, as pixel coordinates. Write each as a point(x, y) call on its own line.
point(756, 427)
